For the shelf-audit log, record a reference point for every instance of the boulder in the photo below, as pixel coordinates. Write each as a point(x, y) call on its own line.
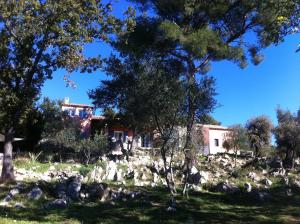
point(194, 170)
point(73, 187)
point(226, 188)
point(261, 196)
point(248, 187)
point(204, 177)
point(276, 162)
point(19, 205)
point(111, 171)
point(278, 172)
point(98, 191)
point(97, 174)
point(194, 178)
point(119, 176)
point(253, 176)
point(35, 193)
point(285, 181)
point(14, 191)
point(61, 189)
point(155, 178)
point(56, 204)
point(267, 182)
point(8, 198)
point(170, 209)
point(296, 185)
point(289, 192)
point(129, 175)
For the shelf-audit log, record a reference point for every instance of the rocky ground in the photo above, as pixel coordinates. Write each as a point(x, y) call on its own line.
point(113, 179)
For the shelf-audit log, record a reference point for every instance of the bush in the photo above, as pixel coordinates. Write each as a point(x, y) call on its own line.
point(85, 170)
point(91, 149)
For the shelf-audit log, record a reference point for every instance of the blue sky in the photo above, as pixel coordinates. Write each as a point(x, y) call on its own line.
point(242, 93)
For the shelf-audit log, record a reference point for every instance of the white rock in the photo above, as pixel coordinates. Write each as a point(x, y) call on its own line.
point(194, 170)
point(19, 205)
point(267, 182)
point(14, 191)
point(111, 170)
point(204, 177)
point(248, 187)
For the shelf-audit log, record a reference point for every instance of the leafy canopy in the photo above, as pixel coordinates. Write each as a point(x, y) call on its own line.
point(287, 135)
point(39, 37)
point(259, 132)
point(204, 31)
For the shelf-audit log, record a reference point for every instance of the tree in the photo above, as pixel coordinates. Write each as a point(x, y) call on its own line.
point(259, 133)
point(287, 136)
point(208, 119)
point(37, 38)
point(149, 93)
point(235, 139)
point(197, 33)
point(52, 116)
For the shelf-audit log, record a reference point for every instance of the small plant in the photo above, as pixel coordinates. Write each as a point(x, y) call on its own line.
point(34, 157)
point(84, 170)
point(90, 149)
point(49, 158)
point(101, 164)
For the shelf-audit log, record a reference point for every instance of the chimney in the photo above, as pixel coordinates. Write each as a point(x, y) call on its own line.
point(66, 100)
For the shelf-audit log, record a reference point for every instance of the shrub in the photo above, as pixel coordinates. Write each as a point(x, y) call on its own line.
point(91, 148)
point(84, 170)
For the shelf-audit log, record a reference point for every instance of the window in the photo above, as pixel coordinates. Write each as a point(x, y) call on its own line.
point(73, 112)
point(145, 140)
point(216, 142)
point(82, 113)
point(118, 135)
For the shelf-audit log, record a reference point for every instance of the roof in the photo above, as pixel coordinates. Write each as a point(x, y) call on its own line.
point(98, 117)
point(214, 127)
point(76, 105)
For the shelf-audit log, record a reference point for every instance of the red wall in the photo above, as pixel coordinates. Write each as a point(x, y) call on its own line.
point(121, 128)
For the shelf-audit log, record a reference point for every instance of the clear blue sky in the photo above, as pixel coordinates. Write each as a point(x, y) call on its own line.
point(242, 93)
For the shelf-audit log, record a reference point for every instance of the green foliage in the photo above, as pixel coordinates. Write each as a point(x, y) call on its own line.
point(197, 33)
point(91, 148)
point(34, 157)
point(150, 83)
point(84, 170)
point(208, 119)
point(287, 135)
point(39, 37)
point(62, 135)
point(259, 133)
point(236, 138)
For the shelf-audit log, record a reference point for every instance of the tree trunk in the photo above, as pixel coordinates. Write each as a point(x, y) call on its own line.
point(168, 173)
point(7, 167)
point(288, 159)
point(235, 158)
point(293, 159)
point(188, 148)
point(256, 152)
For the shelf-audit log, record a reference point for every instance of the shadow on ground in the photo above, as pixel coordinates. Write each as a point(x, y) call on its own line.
point(204, 207)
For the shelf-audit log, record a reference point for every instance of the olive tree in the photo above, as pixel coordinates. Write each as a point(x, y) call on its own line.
point(287, 136)
point(259, 133)
point(235, 139)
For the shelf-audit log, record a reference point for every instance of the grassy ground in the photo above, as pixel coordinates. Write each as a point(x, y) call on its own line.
point(204, 207)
